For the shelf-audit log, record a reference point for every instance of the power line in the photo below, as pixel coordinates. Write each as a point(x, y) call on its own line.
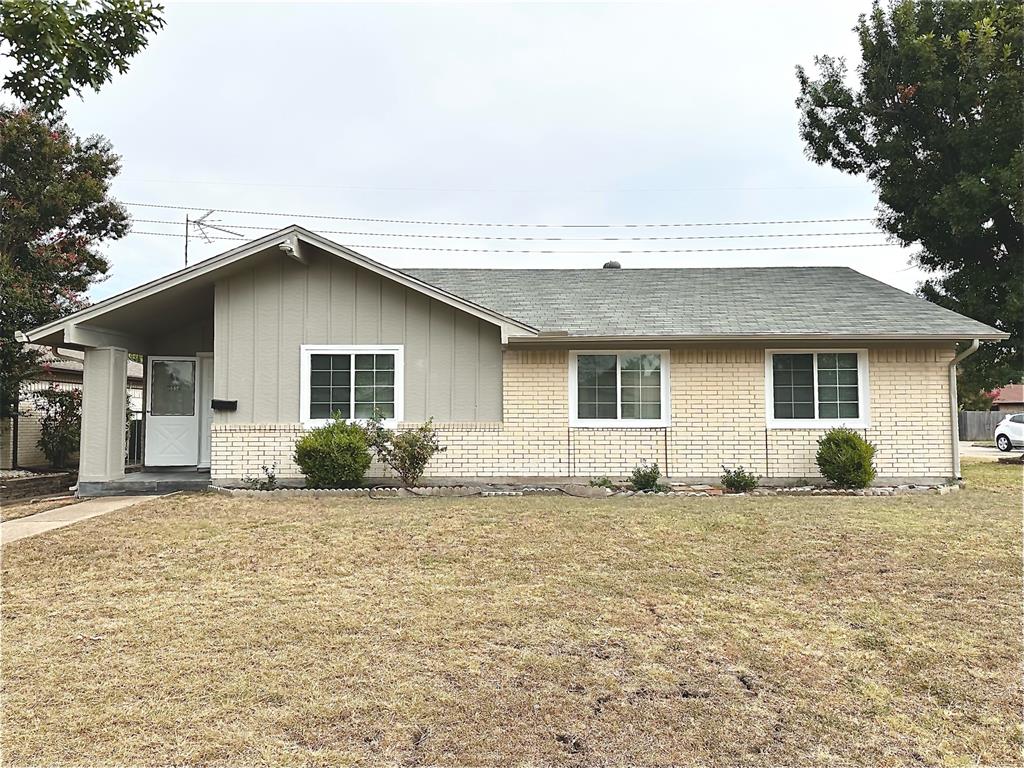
point(498, 224)
point(557, 252)
point(500, 190)
point(177, 234)
point(545, 239)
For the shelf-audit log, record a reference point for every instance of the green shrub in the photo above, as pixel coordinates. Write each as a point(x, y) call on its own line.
point(739, 480)
point(646, 477)
point(407, 453)
point(60, 429)
point(845, 458)
point(333, 456)
point(266, 481)
point(602, 482)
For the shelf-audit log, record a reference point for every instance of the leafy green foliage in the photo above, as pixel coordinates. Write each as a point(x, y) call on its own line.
point(333, 456)
point(60, 428)
point(602, 482)
point(935, 124)
point(56, 212)
point(60, 47)
point(266, 480)
point(739, 480)
point(407, 453)
point(647, 477)
point(846, 458)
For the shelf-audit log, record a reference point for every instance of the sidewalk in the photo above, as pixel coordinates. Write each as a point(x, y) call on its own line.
point(23, 527)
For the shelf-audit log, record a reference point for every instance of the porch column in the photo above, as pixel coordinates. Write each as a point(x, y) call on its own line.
point(103, 414)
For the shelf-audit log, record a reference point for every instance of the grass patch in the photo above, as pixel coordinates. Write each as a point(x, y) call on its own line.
point(537, 630)
point(15, 509)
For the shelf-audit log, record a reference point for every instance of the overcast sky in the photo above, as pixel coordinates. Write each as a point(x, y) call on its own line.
point(556, 114)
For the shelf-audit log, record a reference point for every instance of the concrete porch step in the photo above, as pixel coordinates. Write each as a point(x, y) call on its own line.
point(148, 483)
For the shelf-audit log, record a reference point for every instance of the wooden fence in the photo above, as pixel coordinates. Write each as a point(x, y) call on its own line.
point(978, 425)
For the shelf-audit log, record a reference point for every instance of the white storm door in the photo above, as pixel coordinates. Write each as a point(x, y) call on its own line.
point(172, 417)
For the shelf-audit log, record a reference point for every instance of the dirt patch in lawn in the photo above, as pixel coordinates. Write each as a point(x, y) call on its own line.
point(543, 630)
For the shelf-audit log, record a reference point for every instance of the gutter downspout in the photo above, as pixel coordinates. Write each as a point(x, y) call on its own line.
point(953, 407)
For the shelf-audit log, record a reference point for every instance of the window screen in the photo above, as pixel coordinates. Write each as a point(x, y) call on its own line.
point(351, 386)
point(793, 386)
point(837, 385)
point(330, 386)
point(822, 385)
point(596, 387)
point(619, 386)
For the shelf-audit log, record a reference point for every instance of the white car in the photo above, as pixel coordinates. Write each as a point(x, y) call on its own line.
point(1010, 432)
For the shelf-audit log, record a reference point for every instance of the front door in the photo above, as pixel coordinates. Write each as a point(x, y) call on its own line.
point(172, 417)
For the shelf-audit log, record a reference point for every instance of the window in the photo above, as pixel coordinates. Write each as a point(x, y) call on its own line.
point(816, 389)
point(618, 389)
point(351, 382)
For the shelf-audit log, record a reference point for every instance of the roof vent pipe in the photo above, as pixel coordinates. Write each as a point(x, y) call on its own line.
point(612, 265)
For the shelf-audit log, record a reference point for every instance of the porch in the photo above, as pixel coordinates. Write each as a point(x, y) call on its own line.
point(154, 481)
point(166, 439)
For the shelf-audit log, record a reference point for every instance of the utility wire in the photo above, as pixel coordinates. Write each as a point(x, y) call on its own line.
point(518, 237)
point(496, 224)
point(500, 190)
point(556, 252)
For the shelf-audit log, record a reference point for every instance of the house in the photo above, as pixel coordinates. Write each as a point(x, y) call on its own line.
point(62, 369)
point(1009, 399)
point(526, 373)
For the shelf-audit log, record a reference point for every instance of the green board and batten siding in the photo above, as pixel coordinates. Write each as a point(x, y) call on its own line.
point(263, 315)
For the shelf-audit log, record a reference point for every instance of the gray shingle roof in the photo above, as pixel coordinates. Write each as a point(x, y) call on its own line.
point(787, 301)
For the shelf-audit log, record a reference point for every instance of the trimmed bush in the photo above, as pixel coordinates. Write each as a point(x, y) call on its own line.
point(739, 480)
point(845, 458)
point(646, 477)
point(333, 456)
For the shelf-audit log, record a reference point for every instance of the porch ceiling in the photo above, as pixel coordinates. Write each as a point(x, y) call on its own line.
point(134, 326)
point(136, 323)
point(160, 313)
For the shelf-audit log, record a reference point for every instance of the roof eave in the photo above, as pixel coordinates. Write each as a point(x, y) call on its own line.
point(507, 324)
point(562, 339)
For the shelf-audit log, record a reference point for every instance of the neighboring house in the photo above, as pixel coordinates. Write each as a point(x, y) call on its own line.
point(62, 369)
point(1009, 399)
point(526, 373)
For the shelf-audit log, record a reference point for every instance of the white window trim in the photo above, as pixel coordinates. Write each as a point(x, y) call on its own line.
point(666, 399)
point(863, 392)
point(306, 351)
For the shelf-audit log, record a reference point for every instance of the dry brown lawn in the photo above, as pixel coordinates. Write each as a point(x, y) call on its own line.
point(12, 510)
point(541, 630)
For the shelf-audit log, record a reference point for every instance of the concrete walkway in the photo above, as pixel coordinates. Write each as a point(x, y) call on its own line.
point(33, 525)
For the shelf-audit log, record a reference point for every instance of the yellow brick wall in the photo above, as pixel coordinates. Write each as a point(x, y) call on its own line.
point(718, 417)
point(717, 410)
point(910, 423)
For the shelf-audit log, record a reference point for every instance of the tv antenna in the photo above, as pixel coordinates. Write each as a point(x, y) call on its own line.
point(203, 225)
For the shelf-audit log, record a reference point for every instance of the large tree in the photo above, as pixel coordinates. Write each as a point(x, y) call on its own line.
point(57, 48)
point(54, 211)
point(54, 204)
point(936, 122)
